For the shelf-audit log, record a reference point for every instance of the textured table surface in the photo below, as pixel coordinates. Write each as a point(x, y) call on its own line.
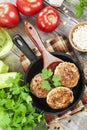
point(68, 20)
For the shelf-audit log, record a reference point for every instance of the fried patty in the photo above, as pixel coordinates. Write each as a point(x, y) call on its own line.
point(35, 87)
point(60, 97)
point(69, 73)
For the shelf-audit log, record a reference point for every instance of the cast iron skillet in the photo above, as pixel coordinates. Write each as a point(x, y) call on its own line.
point(36, 67)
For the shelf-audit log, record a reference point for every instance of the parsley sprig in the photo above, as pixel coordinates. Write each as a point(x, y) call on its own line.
point(46, 73)
point(50, 80)
point(56, 80)
point(79, 7)
point(16, 109)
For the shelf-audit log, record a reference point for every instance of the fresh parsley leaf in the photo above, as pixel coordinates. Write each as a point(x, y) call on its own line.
point(57, 84)
point(49, 79)
point(16, 109)
point(2, 94)
point(46, 85)
point(56, 80)
point(79, 7)
point(4, 119)
point(79, 10)
point(9, 128)
point(9, 104)
point(46, 73)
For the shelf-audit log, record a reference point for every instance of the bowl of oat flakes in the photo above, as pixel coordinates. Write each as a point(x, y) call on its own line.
point(78, 36)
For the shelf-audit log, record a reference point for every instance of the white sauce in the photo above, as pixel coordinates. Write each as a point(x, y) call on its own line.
point(80, 37)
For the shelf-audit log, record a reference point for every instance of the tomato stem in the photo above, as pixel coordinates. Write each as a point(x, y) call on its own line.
point(51, 18)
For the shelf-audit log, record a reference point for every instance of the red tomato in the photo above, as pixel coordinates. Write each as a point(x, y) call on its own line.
point(29, 7)
point(48, 19)
point(9, 16)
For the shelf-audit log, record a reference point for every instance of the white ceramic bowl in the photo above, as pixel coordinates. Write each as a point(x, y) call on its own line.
point(78, 36)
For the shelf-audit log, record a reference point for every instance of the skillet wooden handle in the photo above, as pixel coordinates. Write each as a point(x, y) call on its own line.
point(34, 36)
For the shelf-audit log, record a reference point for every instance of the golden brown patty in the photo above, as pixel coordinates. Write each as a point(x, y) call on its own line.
point(69, 73)
point(60, 97)
point(35, 87)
